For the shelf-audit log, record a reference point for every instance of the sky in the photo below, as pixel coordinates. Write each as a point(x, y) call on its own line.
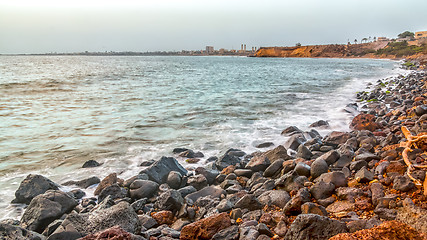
point(43, 26)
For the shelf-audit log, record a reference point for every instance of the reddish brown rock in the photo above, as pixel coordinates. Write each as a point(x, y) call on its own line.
point(396, 167)
point(107, 181)
point(163, 217)
point(228, 170)
point(114, 233)
point(364, 122)
point(391, 230)
point(205, 228)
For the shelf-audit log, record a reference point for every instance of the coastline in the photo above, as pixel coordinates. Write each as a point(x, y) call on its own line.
point(243, 187)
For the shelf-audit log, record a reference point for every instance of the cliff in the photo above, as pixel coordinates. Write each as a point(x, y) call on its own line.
point(351, 50)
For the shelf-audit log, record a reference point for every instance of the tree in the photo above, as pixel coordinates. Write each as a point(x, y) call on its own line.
point(406, 34)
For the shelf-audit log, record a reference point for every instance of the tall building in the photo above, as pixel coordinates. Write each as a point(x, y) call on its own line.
point(209, 49)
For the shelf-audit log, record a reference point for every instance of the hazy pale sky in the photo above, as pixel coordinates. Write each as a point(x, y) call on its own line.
point(31, 26)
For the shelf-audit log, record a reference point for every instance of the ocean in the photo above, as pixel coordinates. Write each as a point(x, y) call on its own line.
point(56, 112)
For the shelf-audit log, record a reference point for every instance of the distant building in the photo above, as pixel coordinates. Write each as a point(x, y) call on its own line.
point(382, 39)
point(209, 49)
point(422, 34)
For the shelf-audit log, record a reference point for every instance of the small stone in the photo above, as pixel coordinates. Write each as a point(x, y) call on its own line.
point(403, 183)
point(322, 190)
point(364, 175)
point(249, 201)
point(303, 169)
point(313, 208)
point(357, 165)
point(91, 164)
point(174, 179)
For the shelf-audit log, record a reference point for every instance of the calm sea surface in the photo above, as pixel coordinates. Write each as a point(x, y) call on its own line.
point(56, 112)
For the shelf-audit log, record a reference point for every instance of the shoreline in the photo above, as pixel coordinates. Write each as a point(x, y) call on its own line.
point(246, 187)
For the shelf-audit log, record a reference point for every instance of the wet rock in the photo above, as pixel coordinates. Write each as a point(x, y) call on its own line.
point(364, 175)
point(312, 226)
point(403, 183)
point(291, 130)
point(147, 163)
point(143, 189)
point(337, 178)
point(174, 179)
point(258, 163)
point(32, 186)
point(294, 205)
point(313, 208)
point(85, 183)
point(163, 217)
point(77, 193)
point(421, 110)
point(187, 154)
point(226, 160)
point(213, 191)
point(249, 201)
point(45, 208)
point(159, 171)
point(230, 233)
point(169, 200)
point(91, 164)
point(115, 232)
point(318, 167)
point(364, 122)
point(274, 168)
point(277, 198)
point(199, 181)
point(115, 191)
point(243, 172)
point(210, 175)
point(121, 214)
point(322, 190)
point(277, 153)
point(8, 231)
point(264, 145)
point(206, 228)
point(392, 230)
point(303, 169)
point(179, 150)
point(294, 141)
point(107, 181)
point(320, 124)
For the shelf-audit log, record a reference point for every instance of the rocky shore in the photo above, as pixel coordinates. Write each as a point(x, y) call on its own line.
point(346, 185)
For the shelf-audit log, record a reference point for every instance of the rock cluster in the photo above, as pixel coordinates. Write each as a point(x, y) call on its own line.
point(338, 184)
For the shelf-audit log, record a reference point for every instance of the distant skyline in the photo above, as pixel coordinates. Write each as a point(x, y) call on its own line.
point(45, 26)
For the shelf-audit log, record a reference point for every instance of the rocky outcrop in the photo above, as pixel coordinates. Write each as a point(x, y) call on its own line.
point(32, 186)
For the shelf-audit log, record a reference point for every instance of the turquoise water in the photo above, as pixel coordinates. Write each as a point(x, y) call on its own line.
point(59, 111)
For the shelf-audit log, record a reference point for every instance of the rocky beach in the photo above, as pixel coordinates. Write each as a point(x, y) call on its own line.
point(369, 183)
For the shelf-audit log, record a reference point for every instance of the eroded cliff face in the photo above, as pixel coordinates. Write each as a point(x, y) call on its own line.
point(337, 51)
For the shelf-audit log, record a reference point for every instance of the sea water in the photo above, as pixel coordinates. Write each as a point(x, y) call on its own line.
point(56, 112)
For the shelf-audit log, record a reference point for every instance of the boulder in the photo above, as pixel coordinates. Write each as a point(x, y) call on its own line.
point(277, 153)
point(91, 164)
point(377, 191)
point(258, 163)
point(291, 130)
point(320, 124)
point(159, 170)
point(364, 122)
point(335, 138)
point(198, 181)
point(364, 175)
point(143, 189)
point(121, 214)
point(84, 183)
point(46, 208)
point(312, 226)
point(337, 178)
point(294, 141)
point(228, 159)
point(32, 186)
point(304, 152)
point(294, 205)
point(403, 183)
point(322, 190)
point(318, 167)
point(274, 168)
point(174, 179)
point(205, 228)
point(169, 200)
point(115, 191)
point(290, 181)
point(213, 191)
point(330, 157)
point(277, 198)
point(11, 232)
point(303, 169)
point(366, 156)
point(249, 201)
point(264, 145)
point(107, 181)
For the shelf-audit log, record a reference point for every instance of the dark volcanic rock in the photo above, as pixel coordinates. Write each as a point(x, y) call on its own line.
point(313, 208)
point(294, 141)
point(230, 233)
point(32, 186)
point(274, 168)
point(258, 163)
point(304, 152)
point(115, 191)
point(169, 200)
point(303, 169)
point(335, 138)
point(11, 232)
point(312, 226)
point(143, 189)
point(318, 167)
point(213, 191)
point(228, 159)
point(277, 198)
point(107, 181)
point(159, 171)
point(322, 190)
point(403, 183)
point(337, 178)
point(289, 131)
point(45, 208)
point(174, 179)
point(265, 145)
point(249, 201)
point(364, 175)
point(294, 205)
point(91, 164)
point(330, 157)
point(121, 214)
point(84, 183)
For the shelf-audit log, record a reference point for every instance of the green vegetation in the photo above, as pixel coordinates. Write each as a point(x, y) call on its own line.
point(409, 64)
point(406, 34)
point(400, 49)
